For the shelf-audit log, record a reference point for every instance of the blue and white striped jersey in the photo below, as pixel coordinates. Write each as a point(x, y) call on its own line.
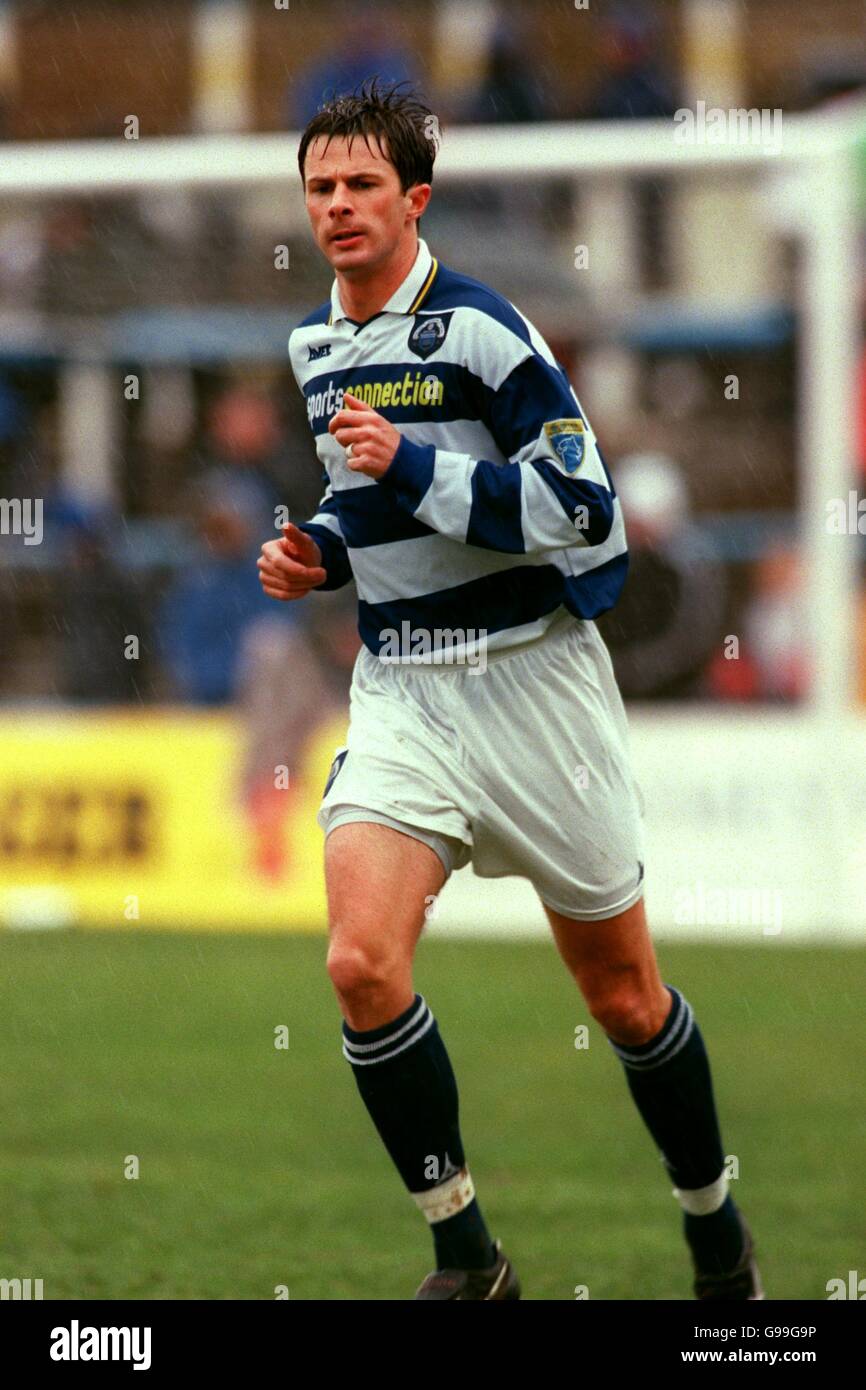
point(497, 509)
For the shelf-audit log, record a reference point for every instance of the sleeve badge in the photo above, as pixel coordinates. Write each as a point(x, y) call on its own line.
point(569, 440)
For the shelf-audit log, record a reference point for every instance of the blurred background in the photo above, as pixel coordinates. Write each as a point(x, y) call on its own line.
point(165, 731)
point(147, 403)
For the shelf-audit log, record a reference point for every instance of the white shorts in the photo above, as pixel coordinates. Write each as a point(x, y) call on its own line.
point(522, 768)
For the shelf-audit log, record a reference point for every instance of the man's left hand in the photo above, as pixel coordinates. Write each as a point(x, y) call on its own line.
point(373, 439)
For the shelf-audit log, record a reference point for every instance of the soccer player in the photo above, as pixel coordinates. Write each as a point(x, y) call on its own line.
point(468, 499)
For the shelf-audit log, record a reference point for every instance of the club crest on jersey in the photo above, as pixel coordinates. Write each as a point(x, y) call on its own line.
point(428, 333)
point(569, 441)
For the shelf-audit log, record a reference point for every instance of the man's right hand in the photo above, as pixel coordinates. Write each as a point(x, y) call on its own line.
point(292, 566)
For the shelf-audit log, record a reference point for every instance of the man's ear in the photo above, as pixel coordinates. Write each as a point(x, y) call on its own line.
point(419, 197)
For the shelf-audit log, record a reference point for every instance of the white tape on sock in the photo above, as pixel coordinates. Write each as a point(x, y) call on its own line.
point(701, 1201)
point(447, 1198)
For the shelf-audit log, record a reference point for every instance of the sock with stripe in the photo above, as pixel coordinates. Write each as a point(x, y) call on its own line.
point(670, 1082)
point(405, 1078)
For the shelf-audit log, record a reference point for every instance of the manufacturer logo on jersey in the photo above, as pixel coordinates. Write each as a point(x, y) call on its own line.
point(569, 441)
point(317, 352)
point(428, 334)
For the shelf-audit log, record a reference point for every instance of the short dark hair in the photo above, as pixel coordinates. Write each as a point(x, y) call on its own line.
point(408, 125)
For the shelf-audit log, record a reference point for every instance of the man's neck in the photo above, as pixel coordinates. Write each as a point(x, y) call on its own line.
point(362, 298)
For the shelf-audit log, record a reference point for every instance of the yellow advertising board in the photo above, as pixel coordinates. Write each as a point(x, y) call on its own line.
point(115, 819)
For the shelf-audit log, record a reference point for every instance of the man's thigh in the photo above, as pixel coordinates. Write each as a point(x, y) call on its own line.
point(614, 964)
point(379, 883)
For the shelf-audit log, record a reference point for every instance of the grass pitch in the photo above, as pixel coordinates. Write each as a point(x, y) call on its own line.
point(259, 1166)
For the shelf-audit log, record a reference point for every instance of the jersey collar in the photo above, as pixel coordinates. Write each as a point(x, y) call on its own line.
point(408, 296)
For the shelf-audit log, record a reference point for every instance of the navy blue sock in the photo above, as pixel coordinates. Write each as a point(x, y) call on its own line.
point(716, 1241)
point(406, 1081)
point(670, 1082)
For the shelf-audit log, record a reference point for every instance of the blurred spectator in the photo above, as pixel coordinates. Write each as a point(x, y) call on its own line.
point(211, 604)
point(634, 85)
point(510, 91)
point(22, 247)
point(670, 616)
point(30, 450)
point(514, 88)
point(293, 680)
point(245, 448)
point(14, 421)
point(771, 662)
point(99, 611)
point(834, 78)
point(774, 627)
point(367, 49)
point(99, 255)
point(225, 642)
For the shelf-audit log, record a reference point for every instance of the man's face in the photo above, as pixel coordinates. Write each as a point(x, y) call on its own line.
point(355, 204)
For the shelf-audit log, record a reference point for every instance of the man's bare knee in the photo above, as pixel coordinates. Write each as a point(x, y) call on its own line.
point(379, 882)
point(628, 1013)
point(356, 970)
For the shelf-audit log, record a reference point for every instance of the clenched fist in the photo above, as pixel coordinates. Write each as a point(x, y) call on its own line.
point(372, 440)
point(291, 566)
